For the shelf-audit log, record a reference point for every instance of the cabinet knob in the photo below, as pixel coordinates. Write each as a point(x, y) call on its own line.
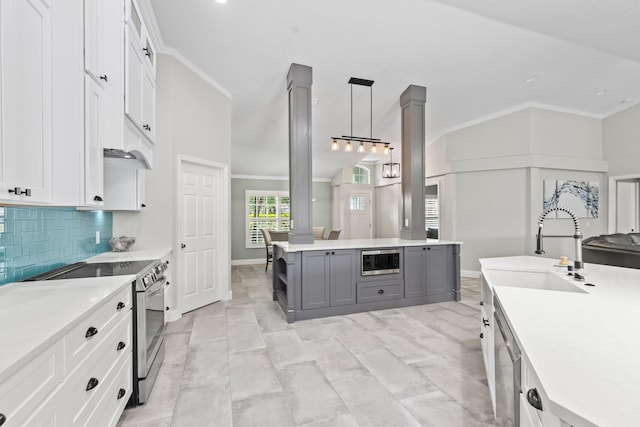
point(91, 332)
point(146, 51)
point(147, 128)
point(381, 291)
point(534, 399)
point(121, 393)
point(166, 309)
point(429, 249)
point(3, 418)
point(481, 335)
point(182, 245)
point(120, 346)
point(143, 205)
point(481, 302)
point(97, 199)
point(326, 253)
point(168, 283)
point(93, 383)
point(120, 306)
point(104, 78)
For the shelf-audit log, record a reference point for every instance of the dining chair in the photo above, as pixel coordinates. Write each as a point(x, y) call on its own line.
point(267, 244)
point(318, 232)
point(334, 234)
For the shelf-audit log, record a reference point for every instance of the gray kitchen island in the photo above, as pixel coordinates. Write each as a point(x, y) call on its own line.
point(335, 277)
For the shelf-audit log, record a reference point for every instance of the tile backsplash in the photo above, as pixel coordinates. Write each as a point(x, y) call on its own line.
point(36, 240)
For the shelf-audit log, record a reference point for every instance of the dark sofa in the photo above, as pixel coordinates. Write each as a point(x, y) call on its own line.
point(621, 250)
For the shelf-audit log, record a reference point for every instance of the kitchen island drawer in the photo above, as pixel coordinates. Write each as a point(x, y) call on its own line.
point(21, 393)
point(379, 291)
point(88, 333)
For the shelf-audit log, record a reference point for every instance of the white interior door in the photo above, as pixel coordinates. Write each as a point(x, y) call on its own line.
point(201, 239)
point(360, 215)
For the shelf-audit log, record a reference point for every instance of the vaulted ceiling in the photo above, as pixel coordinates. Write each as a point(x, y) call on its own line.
point(476, 58)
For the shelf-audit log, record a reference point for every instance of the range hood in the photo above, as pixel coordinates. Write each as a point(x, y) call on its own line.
point(129, 159)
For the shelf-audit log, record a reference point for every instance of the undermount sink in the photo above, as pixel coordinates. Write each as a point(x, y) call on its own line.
point(531, 279)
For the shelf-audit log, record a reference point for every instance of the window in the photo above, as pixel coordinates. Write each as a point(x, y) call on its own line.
point(357, 203)
point(431, 212)
point(265, 209)
point(360, 175)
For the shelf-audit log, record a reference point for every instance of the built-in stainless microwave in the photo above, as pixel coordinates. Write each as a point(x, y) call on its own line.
point(381, 261)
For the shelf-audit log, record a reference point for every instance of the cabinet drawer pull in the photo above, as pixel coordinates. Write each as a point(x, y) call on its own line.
point(534, 399)
point(146, 51)
point(120, 306)
point(485, 322)
point(18, 191)
point(3, 418)
point(121, 393)
point(381, 291)
point(91, 332)
point(104, 78)
point(98, 199)
point(93, 383)
point(121, 345)
point(147, 128)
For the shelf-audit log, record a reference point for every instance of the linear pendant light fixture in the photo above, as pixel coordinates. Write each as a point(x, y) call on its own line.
point(360, 141)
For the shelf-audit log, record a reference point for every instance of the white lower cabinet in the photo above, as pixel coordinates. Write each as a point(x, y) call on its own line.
point(91, 388)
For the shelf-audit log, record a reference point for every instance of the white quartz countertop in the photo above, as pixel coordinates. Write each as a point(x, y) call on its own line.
point(323, 245)
point(584, 347)
point(33, 315)
point(132, 255)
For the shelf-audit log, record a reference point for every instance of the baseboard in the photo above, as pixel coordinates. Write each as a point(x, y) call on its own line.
point(248, 261)
point(470, 273)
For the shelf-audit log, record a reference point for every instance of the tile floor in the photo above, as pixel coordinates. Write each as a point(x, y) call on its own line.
point(238, 363)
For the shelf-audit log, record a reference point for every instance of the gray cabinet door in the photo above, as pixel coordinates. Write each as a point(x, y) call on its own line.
point(315, 279)
point(343, 277)
point(438, 265)
point(415, 271)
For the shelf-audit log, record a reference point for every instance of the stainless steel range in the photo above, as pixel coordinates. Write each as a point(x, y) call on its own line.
point(148, 327)
point(148, 313)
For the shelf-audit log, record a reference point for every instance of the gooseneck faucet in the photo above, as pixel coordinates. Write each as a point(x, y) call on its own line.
point(577, 236)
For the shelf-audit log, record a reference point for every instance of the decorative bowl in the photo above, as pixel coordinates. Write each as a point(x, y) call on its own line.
point(122, 243)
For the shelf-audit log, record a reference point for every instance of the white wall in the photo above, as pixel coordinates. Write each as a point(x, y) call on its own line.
point(194, 119)
point(388, 210)
point(621, 134)
point(491, 178)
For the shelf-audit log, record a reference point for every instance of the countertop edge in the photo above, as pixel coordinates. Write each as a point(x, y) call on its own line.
point(23, 359)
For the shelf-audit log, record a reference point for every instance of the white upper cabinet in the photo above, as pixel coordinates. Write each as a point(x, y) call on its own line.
point(93, 143)
point(41, 126)
point(140, 73)
point(26, 139)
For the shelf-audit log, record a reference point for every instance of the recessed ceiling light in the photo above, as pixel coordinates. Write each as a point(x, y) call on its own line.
point(601, 92)
point(531, 78)
point(221, 1)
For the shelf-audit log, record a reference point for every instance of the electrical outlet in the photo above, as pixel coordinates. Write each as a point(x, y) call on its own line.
point(98, 237)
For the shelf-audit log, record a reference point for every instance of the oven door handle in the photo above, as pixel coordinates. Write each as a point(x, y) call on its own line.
point(155, 286)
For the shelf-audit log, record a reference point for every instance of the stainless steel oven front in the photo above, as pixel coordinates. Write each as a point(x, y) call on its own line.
point(380, 261)
point(148, 330)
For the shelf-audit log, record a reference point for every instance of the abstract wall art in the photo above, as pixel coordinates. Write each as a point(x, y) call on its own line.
point(582, 197)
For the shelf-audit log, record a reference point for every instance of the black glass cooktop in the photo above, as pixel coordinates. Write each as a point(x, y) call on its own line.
point(99, 269)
